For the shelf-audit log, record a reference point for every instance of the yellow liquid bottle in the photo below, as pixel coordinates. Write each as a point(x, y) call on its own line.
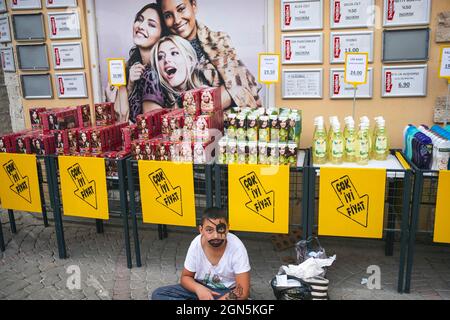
point(381, 142)
point(362, 145)
point(350, 143)
point(337, 145)
point(320, 143)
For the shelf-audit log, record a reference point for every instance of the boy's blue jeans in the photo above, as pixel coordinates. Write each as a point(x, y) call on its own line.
point(177, 292)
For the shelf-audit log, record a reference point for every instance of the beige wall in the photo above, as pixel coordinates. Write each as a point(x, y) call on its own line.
point(56, 102)
point(398, 112)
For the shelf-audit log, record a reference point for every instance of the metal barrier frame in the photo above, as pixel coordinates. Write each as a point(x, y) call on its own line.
point(133, 185)
point(418, 191)
point(12, 220)
point(390, 235)
point(55, 197)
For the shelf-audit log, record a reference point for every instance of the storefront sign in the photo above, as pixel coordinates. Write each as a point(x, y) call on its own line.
point(442, 219)
point(406, 13)
point(71, 85)
point(7, 57)
point(25, 4)
point(3, 6)
point(83, 187)
point(67, 56)
point(350, 42)
point(444, 71)
point(356, 66)
point(352, 13)
point(302, 48)
point(64, 25)
point(19, 189)
point(405, 81)
point(301, 15)
point(5, 31)
point(167, 193)
point(305, 83)
point(61, 3)
point(348, 205)
point(116, 72)
point(341, 90)
point(259, 198)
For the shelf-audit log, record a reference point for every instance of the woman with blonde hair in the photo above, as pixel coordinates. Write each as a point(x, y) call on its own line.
point(175, 60)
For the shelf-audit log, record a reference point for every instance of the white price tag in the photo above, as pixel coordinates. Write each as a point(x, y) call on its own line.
point(269, 68)
point(444, 71)
point(356, 65)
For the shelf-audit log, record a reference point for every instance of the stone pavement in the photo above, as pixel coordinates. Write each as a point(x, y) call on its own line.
point(30, 268)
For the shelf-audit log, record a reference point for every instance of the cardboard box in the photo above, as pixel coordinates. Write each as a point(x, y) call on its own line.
point(35, 119)
point(84, 116)
point(191, 103)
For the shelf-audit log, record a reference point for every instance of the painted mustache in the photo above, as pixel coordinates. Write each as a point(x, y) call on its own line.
point(216, 243)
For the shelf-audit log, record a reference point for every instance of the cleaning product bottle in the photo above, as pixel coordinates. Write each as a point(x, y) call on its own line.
point(350, 140)
point(319, 142)
point(381, 141)
point(362, 145)
point(337, 145)
point(366, 121)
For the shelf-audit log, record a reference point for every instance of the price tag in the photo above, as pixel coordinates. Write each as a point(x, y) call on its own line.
point(356, 67)
point(444, 71)
point(116, 72)
point(269, 68)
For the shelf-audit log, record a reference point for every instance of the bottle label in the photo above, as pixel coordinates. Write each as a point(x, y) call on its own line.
point(363, 149)
point(337, 149)
point(350, 146)
point(381, 145)
point(320, 149)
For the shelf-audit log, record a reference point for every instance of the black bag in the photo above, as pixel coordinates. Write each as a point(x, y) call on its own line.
point(302, 292)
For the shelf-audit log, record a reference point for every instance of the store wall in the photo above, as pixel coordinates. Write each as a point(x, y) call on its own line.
point(5, 123)
point(19, 105)
point(398, 112)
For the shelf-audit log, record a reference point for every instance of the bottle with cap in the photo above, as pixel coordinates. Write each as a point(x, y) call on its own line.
point(381, 140)
point(350, 140)
point(363, 145)
point(336, 144)
point(319, 142)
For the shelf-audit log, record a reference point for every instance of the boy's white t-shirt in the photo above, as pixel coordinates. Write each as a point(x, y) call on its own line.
point(221, 276)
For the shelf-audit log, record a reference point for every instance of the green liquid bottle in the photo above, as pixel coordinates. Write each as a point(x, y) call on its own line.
point(337, 145)
point(381, 141)
point(320, 142)
point(363, 145)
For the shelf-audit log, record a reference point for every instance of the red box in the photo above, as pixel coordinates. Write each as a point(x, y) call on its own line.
point(98, 140)
point(66, 118)
point(162, 151)
point(34, 117)
point(61, 142)
point(138, 150)
point(144, 126)
point(128, 135)
point(191, 103)
point(42, 145)
point(72, 138)
point(84, 141)
point(176, 124)
point(48, 120)
point(23, 145)
point(84, 116)
point(104, 114)
point(210, 101)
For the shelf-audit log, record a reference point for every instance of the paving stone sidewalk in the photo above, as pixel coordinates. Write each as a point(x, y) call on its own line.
point(30, 267)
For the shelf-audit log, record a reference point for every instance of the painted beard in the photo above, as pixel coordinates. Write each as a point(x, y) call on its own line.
point(216, 243)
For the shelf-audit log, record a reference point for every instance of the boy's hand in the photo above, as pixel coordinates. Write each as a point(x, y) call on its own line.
point(204, 293)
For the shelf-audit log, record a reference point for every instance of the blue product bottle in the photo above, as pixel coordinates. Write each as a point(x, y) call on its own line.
point(410, 132)
point(423, 151)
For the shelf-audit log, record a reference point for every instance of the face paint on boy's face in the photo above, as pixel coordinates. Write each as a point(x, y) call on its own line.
point(214, 232)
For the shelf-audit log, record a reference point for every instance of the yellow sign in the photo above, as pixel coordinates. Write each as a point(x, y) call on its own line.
point(258, 198)
point(269, 67)
point(442, 219)
point(349, 206)
point(444, 70)
point(19, 189)
point(167, 193)
point(117, 72)
point(83, 187)
point(356, 68)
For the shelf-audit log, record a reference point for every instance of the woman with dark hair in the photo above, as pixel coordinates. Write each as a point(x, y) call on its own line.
point(144, 90)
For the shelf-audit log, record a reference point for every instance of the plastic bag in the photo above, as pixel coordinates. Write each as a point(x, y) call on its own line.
point(310, 248)
point(300, 292)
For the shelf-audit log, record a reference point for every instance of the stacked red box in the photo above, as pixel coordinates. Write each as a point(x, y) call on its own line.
point(35, 119)
point(84, 116)
point(9, 140)
point(138, 149)
point(155, 121)
point(191, 103)
point(144, 126)
point(72, 138)
point(210, 101)
point(48, 121)
point(99, 140)
point(84, 141)
point(66, 118)
point(42, 145)
point(104, 114)
point(128, 135)
point(23, 144)
point(61, 142)
point(203, 152)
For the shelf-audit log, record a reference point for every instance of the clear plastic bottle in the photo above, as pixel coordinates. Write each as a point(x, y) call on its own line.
point(350, 140)
point(336, 145)
point(381, 141)
point(319, 142)
point(363, 145)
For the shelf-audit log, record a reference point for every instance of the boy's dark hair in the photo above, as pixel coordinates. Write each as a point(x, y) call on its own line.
point(214, 214)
